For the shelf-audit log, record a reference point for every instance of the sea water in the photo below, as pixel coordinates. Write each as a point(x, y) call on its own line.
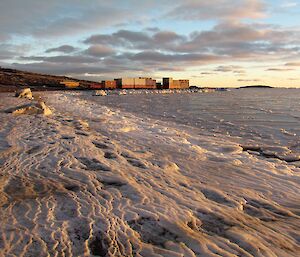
point(257, 116)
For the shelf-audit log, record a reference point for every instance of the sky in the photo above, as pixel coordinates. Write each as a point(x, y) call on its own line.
point(218, 43)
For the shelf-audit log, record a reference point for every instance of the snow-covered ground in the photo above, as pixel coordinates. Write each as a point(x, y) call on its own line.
point(92, 180)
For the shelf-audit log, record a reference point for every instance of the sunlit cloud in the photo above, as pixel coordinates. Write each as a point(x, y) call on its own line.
point(249, 80)
point(293, 64)
point(279, 69)
point(289, 5)
point(219, 9)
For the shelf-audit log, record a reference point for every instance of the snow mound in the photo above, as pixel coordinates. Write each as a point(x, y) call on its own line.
point(24, 93)
point(31, 109)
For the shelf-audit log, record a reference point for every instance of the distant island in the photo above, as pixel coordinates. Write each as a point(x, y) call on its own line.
point(255, 86)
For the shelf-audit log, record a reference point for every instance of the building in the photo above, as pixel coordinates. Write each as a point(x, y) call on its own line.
point(159, 85)
point(70, 84)
point(109, 84)
point(184, 83)
point(125, 83)
point(169, 83)
point(143, 82)
point(135, 83)
point(104, 84)
point(96, 86)
point(140, 83)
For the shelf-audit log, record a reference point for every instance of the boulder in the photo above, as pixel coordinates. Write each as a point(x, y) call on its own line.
point(24, 93)
point(81, 124)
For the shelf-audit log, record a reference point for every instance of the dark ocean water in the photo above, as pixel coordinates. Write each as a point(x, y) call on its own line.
point(270, 116)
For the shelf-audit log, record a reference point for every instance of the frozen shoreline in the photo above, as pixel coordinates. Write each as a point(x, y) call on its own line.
point(105, 92)
point(93, 180)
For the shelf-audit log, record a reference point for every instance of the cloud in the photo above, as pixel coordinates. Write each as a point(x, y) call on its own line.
point(289, 5)
point(292, 64)
point(249, 80)
point(137, 39)
point(76, 68)
point(99, 59)
point(235, 39)
point(131, 36)
point(10, 51)
point(55, 18)
point(123, 38)
point(95, 37)
point(99, 51)
point(279, 69)
point(162, 37)
point(60, 68)
point(6, 54)
point(218, 9)
point(154, 56)
point(152, 29)
point(61, 59)
point(242, 40)
point(170, 68)
point(230, 68)
point(167, 50)
point(62, 49)
point(208, 73)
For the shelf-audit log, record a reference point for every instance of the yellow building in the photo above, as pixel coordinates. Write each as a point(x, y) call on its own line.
point(170, 83)
point(70, 84)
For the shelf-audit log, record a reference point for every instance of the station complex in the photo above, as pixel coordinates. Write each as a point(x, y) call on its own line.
point(142, 83)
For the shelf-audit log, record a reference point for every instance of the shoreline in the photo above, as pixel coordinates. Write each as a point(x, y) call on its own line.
point(93, 180)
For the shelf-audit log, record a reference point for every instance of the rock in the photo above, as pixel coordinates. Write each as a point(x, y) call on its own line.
point(100, 93)
point(81, 124)
point(275, 150)
point(24, 93)
point(254, 152)
point(122, 92)
point(290, 158)
point(255, 148)
point(297, 164)
point(32, 108)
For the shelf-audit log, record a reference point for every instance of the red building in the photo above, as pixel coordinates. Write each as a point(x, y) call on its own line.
point(109, 84)
point(96, 86)
point(136, 83)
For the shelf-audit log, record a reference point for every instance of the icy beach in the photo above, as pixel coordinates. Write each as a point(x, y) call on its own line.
point(117, 176)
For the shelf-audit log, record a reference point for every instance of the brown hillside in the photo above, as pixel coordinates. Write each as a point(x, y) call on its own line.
point(11, 79)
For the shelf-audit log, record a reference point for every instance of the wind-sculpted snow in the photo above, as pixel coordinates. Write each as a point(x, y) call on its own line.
point(91, 180)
